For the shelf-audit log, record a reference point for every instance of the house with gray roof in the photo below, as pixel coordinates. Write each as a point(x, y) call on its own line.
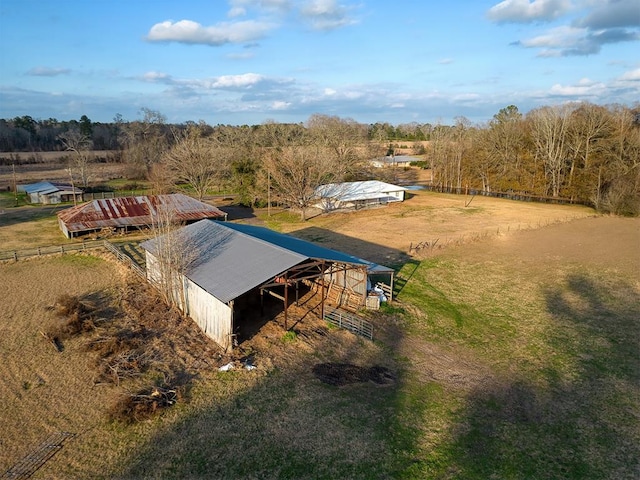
point(232, 265)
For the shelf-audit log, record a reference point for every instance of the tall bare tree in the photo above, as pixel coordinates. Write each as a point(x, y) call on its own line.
point(173, 253)
point(549, 131)
point(145, 142)
point(297, 171)
point(198, 161)
point(79, 145)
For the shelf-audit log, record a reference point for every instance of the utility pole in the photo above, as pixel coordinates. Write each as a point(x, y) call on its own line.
point(268, 193)
point(15, 185)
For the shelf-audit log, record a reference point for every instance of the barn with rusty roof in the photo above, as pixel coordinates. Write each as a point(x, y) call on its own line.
point(128, 213)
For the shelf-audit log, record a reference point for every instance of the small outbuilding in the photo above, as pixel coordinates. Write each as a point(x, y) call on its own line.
point(49, 193)
point(233, 266)
point(357, 194)
point(393, 161)
point(128, 213)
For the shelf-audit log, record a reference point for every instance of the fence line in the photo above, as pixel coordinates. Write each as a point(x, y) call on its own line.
point(73, 247)
point(350, 322)
point(49, 250)
point(127, 260)
point(523, 197)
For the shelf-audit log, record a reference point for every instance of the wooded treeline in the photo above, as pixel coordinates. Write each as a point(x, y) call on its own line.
point(584, 152)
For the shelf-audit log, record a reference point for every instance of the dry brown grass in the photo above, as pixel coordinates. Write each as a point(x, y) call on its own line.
point(387, 233)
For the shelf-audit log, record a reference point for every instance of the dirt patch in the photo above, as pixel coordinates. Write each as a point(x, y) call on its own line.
point(603, 241)
point(388, 235)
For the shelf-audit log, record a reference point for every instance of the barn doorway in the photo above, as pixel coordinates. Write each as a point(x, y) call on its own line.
point(254, 309)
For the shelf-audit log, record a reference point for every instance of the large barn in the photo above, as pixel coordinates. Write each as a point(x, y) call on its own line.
point(128, 213)
point(233, 265)
point(357, 194)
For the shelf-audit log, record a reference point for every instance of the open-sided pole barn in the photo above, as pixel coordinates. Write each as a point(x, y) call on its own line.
point(233, 261)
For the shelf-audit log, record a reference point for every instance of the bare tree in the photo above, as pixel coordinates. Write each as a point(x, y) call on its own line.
point(345, 138)
point(297, 171)
point(501, 150)
point(198, 161)
point(79, 145)
point(145, 141)
point(173, 256)
point(549, 131)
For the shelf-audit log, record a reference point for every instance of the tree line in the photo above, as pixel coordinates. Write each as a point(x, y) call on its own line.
point(583, 152)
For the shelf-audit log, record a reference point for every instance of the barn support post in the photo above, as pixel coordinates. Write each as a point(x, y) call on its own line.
point(230, 343)
point(364, 290)
point(297, 293)
point(322, 292)
point(261, 301)
point(286, 301)
point(391, 290)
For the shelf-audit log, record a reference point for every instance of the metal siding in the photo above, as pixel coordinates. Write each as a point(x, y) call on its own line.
point(211, 315)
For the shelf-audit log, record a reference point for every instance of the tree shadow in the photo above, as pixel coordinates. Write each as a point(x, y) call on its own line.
point(579, 420)
point(13, 216)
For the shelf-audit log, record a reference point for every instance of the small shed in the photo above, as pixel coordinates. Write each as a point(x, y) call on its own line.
point(234, 264)
point(357, 194)
point(49, 193)
point(393, 161)
point(126, 213)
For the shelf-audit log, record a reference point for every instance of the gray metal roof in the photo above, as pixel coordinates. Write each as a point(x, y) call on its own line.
point(232, 258)
point(364, 190)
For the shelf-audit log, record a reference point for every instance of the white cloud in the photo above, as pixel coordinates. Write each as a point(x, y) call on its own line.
point(326, 14)
point(612, 14)
point(154, 76)
point(568, 40)
point(583, 89)
point(237, 81)
point(524, 11)
point(280, 105)
point(187, 31)
point(560, 37)
point(596, 23)
point(48, 71)
point(633, 75)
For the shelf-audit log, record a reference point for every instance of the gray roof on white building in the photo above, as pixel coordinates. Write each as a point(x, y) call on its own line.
point(232, 259)
point(350, 191)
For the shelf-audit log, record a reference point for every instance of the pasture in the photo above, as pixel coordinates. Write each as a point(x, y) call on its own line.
point(513, 347)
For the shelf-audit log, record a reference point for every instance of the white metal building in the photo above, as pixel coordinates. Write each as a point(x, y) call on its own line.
point(357, 194)
point(51, 193)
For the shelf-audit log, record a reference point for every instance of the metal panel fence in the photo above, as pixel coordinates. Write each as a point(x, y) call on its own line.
point(350, 322)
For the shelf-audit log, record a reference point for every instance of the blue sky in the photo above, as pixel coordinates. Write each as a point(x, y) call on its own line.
point(249, 61)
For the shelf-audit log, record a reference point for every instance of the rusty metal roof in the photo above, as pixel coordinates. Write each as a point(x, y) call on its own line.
point(135, 211)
